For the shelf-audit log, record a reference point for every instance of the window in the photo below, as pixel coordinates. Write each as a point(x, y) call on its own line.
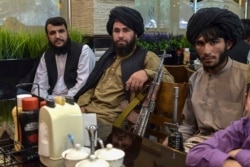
point(28, 12)
point(172, 15)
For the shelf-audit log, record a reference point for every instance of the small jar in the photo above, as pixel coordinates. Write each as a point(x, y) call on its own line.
point(29, 121)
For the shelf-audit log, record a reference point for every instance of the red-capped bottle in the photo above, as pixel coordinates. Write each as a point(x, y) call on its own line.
point(29, 121)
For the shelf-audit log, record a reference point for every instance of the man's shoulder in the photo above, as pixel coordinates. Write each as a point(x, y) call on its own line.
point(77, 44)
point(198, 73)
point(149, 52)
point(240, 66)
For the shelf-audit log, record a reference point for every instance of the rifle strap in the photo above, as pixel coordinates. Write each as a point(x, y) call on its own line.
point(129, 108)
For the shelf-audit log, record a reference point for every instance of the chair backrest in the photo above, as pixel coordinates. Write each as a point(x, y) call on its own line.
point(189, 71)
point(164, 108)
point(181, 73)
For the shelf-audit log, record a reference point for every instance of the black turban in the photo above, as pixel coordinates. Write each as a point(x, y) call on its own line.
point(127, 16)
point(227, 24)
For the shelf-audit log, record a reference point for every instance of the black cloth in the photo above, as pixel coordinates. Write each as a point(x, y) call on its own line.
point(70, 73)
point(105, 61)
point(127, 16)
point(214, 22)
point(240, 52)
point(133, 63)
point(29, 78)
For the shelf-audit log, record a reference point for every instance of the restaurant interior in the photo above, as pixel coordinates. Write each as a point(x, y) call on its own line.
point(163, 20)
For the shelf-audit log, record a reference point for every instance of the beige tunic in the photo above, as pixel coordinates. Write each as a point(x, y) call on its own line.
point(105, 99)
point(214, 100)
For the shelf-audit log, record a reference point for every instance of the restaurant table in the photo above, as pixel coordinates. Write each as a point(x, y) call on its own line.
point(151, 154)
point(156, 155)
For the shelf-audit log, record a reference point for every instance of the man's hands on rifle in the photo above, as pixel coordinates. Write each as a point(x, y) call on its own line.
point(136, 81)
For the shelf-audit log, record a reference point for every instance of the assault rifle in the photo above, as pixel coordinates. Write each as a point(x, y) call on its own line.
point(148, 105)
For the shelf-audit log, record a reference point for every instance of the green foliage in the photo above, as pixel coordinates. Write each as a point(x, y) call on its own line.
point(162, 41)
point(19, 45)
point(185, 44)
point(12, 45)
point(77, 36)
point(6, 107)
point(154, 41)
point(37, 44)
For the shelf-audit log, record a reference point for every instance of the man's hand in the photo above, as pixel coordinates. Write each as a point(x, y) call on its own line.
point(83, 109)
point(233, 153)
point(231, 163)
point(165, 142)
point(136, 81)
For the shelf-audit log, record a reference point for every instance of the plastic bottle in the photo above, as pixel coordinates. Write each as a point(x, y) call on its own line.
point(29, 121)
point(186, 56)
point(15, 115)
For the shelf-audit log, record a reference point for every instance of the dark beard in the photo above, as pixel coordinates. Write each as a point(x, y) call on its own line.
point(125, 50)
point(61, 50)
point(222, 59)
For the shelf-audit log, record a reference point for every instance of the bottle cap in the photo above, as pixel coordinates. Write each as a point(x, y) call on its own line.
point(30, 103)
point(20, 97)
point(50, 103)
point(186, 49)
point(70, 100)
point(43, 103)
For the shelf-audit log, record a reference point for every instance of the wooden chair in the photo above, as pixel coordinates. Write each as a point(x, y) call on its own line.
point(189, 71)
point(164, 109)
point(179, 72)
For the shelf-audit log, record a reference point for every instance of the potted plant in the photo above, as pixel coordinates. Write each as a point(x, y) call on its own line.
point(155, 42)
point(160, 42)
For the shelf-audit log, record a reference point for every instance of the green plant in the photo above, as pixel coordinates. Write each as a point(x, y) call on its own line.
point(175, 43)
point(186, 44)
point(162, 42)
point(12, 44)
point(77, 36)
point(155, 42)
point(19, 45)
point(37, 44)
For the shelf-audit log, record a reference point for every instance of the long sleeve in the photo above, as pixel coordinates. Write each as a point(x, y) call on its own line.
point(243, 157)
point(85, 66)
point(213, 152)
point(205, 155)
point(85, 98)
point(188, 125)
point(41, 78)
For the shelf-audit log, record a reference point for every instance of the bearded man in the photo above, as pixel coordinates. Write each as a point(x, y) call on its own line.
point(65, 66)
point(121, 71)
point(216, 90)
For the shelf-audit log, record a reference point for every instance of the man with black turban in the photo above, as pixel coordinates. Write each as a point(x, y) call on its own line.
point(216, 91)
point(127, 16)
point(121, 72)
